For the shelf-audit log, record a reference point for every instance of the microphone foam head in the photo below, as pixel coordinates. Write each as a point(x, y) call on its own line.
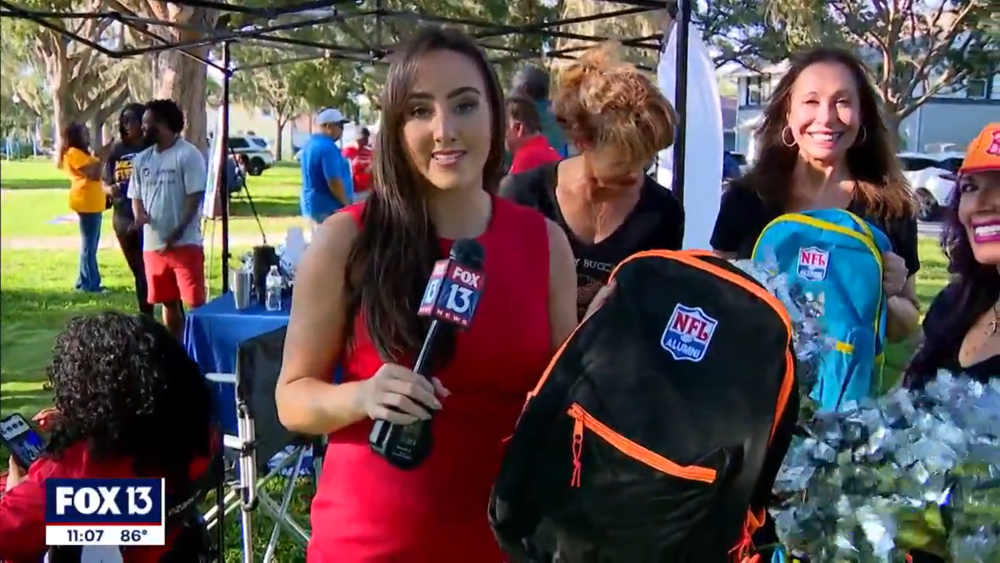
point(467, 252)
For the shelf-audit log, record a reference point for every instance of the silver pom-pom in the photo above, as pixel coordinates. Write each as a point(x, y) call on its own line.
point(912, 470)
point(805, 310)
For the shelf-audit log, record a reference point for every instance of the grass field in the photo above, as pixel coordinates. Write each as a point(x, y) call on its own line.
point(36, 296)
point(35, 203)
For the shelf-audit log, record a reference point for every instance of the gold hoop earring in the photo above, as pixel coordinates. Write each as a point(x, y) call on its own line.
point(784, 141)
point(864, 136)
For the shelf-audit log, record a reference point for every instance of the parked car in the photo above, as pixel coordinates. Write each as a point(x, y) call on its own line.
point(732, 166)
point(257, 150)
point(932, 179)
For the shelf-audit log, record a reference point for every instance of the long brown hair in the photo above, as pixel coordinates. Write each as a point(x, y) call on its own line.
point(72, 138)
point(393, 254)
point(871, 161)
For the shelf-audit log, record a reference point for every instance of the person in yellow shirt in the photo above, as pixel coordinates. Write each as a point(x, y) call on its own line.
point(86, 198)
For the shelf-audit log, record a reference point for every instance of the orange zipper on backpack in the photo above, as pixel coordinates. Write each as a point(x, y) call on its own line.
point(584, 420)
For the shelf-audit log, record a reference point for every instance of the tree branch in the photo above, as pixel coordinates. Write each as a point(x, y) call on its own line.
point(950, 77)
point(935, 52)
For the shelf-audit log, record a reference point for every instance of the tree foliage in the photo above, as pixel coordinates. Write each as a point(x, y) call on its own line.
point(629, 30)
point(915, 48)
point(285, 86)
point(80, 83)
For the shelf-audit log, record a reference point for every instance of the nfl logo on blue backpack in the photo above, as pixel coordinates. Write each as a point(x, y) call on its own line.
point(837, 257)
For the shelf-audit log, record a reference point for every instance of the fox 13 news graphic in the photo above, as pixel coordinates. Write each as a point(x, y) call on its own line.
point(451, 297)
point(104, 512)
point(452, 293)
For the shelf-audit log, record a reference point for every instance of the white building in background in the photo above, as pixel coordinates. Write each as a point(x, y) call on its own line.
point(948, 120)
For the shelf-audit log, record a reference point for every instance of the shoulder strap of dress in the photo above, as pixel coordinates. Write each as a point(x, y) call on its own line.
point(356, 211)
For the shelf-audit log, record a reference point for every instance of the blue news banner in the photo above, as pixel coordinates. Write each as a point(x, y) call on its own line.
point(104, 512)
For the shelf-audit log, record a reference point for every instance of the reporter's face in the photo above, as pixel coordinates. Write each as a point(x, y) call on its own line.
point(979, 213)
point(447, 125)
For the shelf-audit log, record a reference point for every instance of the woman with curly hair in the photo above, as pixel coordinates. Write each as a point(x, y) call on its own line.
point(962, 326)
point(86, 198)
point(823, 145)
point(602, 198)
point(130, 403)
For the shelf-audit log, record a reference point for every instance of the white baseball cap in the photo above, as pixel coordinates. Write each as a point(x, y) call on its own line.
point(329, 116)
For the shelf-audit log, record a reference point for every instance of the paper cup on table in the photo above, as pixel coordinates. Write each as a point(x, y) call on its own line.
point(242, 288)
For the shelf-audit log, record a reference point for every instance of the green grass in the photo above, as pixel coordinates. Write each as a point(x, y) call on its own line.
point(35, 202)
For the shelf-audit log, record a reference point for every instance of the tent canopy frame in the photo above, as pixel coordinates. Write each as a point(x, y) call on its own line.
point(335, 12)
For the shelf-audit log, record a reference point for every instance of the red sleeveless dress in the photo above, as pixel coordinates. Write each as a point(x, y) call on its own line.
point(366, 511)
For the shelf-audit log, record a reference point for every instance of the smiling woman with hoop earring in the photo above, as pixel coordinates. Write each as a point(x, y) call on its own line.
point(823, 145)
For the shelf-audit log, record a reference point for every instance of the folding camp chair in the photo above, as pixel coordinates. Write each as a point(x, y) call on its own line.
point(260, 436)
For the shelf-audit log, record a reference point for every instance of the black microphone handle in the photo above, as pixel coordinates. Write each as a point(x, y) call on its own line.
point(408, 446)
point(423, 364)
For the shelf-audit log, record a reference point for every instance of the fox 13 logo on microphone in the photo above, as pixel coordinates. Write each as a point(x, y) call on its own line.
point(452, 293)
point(104, 512)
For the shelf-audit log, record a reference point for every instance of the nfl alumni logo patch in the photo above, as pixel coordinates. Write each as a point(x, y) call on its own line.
point(688, 333)
point(813, 263)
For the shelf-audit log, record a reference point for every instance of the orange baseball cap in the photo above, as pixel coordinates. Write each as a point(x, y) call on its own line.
point(984, 151)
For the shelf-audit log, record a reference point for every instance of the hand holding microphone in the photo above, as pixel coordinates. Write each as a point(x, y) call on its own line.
point(403, 401)
point(398, 395)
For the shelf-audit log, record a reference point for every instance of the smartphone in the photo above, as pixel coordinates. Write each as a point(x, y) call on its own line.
point(24, 443)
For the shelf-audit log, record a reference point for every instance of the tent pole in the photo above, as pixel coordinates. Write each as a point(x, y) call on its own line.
point(223, 169)
point(681, 28)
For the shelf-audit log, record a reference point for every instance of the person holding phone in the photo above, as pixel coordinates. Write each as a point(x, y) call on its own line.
point(17, 464)
point(129, 403)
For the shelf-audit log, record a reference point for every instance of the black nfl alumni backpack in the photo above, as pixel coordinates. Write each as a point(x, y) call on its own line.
point(658, 428)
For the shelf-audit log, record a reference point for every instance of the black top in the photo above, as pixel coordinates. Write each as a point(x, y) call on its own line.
point(948, 321)
point(656, 223)
point(743, 215)
point(117, 171)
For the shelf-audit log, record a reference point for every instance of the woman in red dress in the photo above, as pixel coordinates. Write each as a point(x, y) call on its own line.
point(437, 162)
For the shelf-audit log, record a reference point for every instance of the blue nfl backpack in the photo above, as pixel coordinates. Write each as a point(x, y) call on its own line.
point(837, 257)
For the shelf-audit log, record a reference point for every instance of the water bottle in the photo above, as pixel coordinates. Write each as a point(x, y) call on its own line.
point(273, 283)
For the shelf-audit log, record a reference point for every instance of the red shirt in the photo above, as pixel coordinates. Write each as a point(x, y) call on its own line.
point(535, 152)
point(22, 509)
point(361, 166)
point(365, 510)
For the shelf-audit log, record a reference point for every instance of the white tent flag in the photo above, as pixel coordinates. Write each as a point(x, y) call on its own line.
point(211, 205)
point(704, 144)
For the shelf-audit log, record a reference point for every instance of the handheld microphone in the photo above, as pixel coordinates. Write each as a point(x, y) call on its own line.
point(452, 294)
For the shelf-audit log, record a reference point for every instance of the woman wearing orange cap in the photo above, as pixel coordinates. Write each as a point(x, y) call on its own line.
point(962, 326)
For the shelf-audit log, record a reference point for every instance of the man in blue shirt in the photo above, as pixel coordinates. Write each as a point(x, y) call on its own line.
point(327, 185)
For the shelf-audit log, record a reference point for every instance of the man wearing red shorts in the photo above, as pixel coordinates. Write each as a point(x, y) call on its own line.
point(166, 189)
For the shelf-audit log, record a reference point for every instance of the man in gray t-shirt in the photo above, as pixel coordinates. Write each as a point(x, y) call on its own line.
point(166, 189)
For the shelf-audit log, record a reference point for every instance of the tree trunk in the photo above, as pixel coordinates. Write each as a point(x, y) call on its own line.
point(64, 108)
point(278, 143)
point(892, 123)
point(182, 78)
